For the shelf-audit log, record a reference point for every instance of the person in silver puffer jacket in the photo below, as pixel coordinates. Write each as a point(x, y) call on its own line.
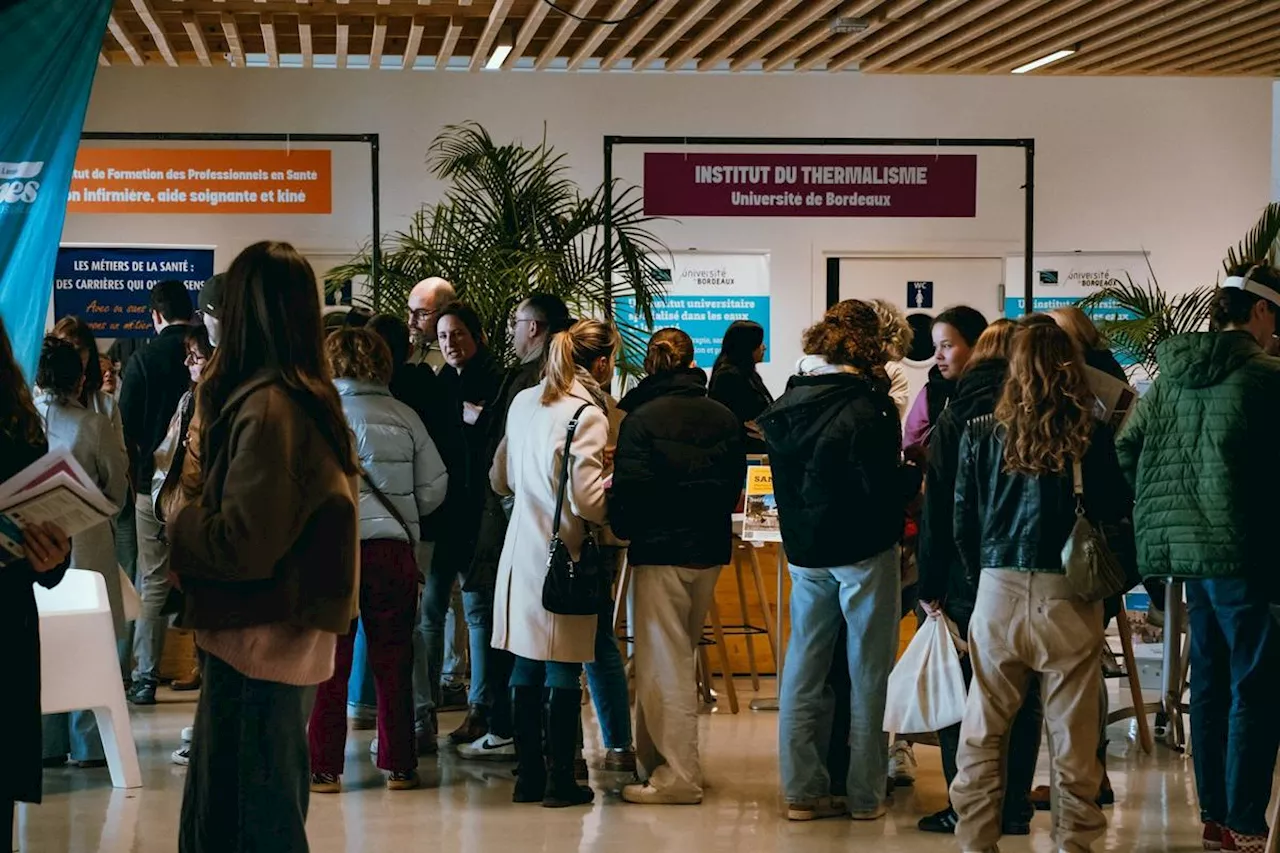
point(402, 480)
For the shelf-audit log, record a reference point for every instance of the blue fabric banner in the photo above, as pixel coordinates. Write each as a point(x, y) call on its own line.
point(109, 287)
point(48, 56)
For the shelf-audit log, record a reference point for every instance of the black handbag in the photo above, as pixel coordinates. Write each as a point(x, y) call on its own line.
point(1092, 568)
point(572, 587)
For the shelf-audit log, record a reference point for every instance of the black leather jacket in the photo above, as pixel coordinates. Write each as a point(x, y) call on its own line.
point(1017, 521)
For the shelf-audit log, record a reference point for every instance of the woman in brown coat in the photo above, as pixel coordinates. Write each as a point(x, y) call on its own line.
point(47, 551)
point(266, 556)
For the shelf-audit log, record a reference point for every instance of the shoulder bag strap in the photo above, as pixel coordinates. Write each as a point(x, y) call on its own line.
point(1077, 476)
point(564, 468)
point(388, 505)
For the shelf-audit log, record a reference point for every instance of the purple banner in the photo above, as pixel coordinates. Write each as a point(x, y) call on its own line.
point(941, 185)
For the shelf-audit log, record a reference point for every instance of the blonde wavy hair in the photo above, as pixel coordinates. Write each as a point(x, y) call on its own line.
point(994, 342)
point(1046, 408)
point(895, 331)
point(849, 334)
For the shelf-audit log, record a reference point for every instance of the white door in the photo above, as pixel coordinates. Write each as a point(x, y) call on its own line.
point(924, 287)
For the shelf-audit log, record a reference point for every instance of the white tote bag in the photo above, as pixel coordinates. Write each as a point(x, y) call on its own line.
point(926, 687)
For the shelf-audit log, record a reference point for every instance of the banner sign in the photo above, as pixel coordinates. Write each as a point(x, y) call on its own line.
point(705, 293)
point(48, 56)
point(1065, 279)
point(159, 180)
point(944, 185)
point(109, 287)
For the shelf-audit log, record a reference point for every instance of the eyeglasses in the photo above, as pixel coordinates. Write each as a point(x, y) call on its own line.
point(514, 322)
point(194, 358)
point(421, 314)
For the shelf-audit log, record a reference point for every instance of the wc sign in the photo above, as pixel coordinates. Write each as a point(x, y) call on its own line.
point(919, 294)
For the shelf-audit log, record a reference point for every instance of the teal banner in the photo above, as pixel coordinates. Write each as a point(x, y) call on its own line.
point(48, 56)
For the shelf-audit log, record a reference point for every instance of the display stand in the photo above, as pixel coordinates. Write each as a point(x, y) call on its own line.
point(1174, 667)
point(746, 552)
point(1139, 709)
point(765, 703)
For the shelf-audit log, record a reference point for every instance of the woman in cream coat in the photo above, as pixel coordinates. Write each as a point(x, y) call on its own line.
point(550, 649)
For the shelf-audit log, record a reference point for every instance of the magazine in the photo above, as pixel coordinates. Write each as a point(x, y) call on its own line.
point(761, 507)
point(1115, 399)
point(54, 489)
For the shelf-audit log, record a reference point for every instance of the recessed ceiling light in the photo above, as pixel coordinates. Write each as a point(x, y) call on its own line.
point(500, 54)
point(1043, 61)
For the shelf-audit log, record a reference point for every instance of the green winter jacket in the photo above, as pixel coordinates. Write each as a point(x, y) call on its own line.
point(1201, 455)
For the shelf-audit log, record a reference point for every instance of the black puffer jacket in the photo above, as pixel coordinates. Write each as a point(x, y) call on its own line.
point(1021, 522)
point(834, 444)
point(942, 575)
point(154, 382)
point(678, 473)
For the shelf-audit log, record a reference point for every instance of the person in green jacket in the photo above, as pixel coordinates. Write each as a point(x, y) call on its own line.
point(1201, 454)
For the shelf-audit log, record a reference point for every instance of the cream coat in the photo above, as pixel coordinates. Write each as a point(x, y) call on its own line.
point(527, 465)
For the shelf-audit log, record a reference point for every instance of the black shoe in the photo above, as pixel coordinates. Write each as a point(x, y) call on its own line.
point(453, 697)
point(474, 727)
point(1015, 828)
point(564, 707)
point(943, 822)
point(531, 765)
point(142, 694)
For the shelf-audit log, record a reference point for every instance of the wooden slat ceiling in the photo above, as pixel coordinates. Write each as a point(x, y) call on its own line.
point(1110, 37)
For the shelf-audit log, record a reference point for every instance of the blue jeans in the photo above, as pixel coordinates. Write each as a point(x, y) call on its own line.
point(429, 637)
point(74, 734)
point(607, 678)
point(865, 596)
point(550, 673)
point(360, 691)
point(1235, 656)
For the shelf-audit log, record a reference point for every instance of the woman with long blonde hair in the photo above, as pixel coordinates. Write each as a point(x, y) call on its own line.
point(1015, 508)
point(551, 648)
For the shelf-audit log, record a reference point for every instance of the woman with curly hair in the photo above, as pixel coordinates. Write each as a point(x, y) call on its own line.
point(834, 443)
point(897, 335)
point(1014, 510)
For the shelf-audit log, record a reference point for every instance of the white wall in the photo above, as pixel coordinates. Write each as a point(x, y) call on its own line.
point(1178, 167)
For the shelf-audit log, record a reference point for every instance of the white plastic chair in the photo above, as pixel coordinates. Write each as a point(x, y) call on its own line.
point(79, 668)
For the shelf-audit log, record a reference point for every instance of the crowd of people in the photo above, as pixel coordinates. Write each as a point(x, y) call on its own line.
point(314, 500)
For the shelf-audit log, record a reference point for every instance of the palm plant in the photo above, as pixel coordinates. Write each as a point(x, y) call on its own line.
point(1141, 317)
point(511, 223)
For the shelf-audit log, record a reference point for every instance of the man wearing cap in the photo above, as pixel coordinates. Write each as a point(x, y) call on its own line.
point(210, 303)
point(1201, 453)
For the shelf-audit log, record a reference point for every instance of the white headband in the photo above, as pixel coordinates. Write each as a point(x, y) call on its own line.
point(1248, 285)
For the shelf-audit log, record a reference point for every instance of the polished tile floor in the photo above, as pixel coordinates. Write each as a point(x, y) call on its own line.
point(466, 806)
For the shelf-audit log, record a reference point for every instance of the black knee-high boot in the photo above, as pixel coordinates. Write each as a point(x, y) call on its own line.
point(563, 709)
point(531, 766)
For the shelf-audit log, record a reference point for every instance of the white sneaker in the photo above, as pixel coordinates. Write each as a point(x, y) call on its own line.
point(647, 795)
point(373, 747)
point(902, 764)
point(188, 734)
point(182, 757)
point(489, 748)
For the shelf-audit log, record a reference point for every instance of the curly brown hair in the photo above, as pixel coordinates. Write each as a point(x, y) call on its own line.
point(895, 329)
point(1046, 408)
point(849, 334)
point(354, 352)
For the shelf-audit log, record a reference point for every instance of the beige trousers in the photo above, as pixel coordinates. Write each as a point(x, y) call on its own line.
point(1025, 622)
point(671, 604)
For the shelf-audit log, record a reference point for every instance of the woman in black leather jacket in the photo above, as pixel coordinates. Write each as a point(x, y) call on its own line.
point(944, 585)
point(1014, 511)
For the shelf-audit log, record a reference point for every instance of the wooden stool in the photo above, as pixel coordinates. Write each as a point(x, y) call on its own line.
point(745, 553)
point(1139, 709)
point(704, 663)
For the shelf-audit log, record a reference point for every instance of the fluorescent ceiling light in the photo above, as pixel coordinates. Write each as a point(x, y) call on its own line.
point(500, 54)
point(1042, 61)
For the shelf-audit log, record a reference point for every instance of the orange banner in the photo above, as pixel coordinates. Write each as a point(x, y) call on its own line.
point(161, 180)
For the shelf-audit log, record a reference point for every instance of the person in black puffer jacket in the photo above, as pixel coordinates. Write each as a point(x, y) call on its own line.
point(834, 444)
point(679, 469)
point(944, 585)
point(1014, 512)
